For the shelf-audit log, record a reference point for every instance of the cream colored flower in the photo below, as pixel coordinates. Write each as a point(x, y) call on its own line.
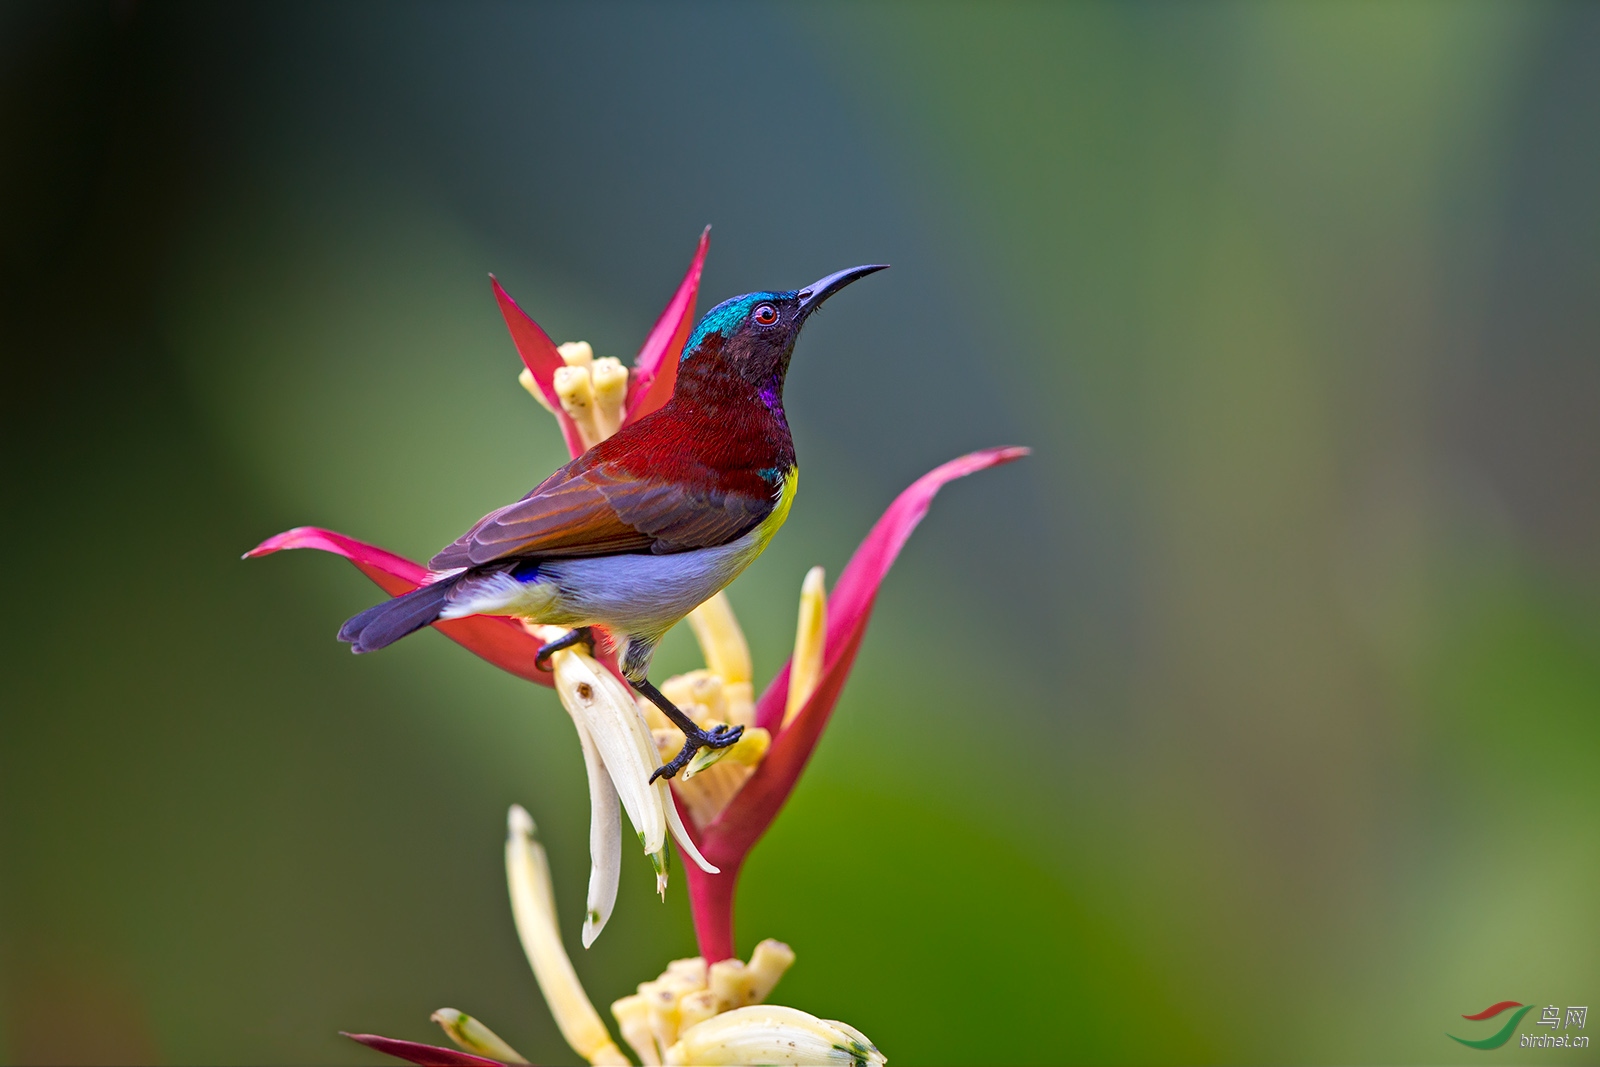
point(620, 755)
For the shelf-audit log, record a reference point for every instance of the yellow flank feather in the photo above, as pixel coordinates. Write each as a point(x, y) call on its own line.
point(775, 518)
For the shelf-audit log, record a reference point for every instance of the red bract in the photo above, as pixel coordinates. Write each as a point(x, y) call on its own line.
point(503, 641)
point(728, 838)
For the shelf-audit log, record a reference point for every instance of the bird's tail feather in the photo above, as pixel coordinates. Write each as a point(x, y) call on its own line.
point(384, 624)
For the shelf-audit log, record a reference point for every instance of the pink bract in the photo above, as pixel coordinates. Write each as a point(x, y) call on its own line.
point(539, 355)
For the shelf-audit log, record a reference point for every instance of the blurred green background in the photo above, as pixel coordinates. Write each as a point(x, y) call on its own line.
point(1254, 718)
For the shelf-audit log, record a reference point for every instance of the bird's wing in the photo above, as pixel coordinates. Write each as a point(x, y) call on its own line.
point(603, 510)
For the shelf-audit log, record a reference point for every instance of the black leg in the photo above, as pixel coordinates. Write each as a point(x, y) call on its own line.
point(580, 636)
point(694, 737)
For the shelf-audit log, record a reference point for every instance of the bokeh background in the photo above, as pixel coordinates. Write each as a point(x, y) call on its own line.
point(1254, 718)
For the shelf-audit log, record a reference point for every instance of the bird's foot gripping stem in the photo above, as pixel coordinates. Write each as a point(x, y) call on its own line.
point(580, 636)
point(695, 738)
point(720, 736)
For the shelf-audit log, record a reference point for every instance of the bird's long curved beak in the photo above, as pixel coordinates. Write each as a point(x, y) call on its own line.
point(812, 296)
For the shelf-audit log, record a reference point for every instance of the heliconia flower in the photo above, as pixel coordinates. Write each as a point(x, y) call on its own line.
point(732, 794)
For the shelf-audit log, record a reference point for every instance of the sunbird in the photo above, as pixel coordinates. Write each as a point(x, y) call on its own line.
point(648, 524)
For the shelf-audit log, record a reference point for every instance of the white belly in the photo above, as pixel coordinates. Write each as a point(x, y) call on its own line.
point(644, 594)
point(636, 594)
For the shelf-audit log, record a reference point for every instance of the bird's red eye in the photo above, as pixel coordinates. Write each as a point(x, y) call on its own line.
point(766, 314)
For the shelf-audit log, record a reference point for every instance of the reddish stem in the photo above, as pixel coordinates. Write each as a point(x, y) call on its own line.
point(711, 901)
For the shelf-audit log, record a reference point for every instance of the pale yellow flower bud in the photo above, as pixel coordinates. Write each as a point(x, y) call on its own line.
point(659, 724)
point(697, 694)
point(610, 380)
point(709, 698)
point(475, 1037)
point(576, 393)
point(805, 669)
point(771, 1034)
point(728, 982)
point(736, 983)
point(706, 698)
point(705, 689)
point(767, 964)
point(592, 392)
point(576, 353)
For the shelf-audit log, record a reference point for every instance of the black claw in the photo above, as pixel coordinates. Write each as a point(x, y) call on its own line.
point(720, 736)
point(694, 738)
point(724, 735)
point(580, 636)
point(677, 763)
